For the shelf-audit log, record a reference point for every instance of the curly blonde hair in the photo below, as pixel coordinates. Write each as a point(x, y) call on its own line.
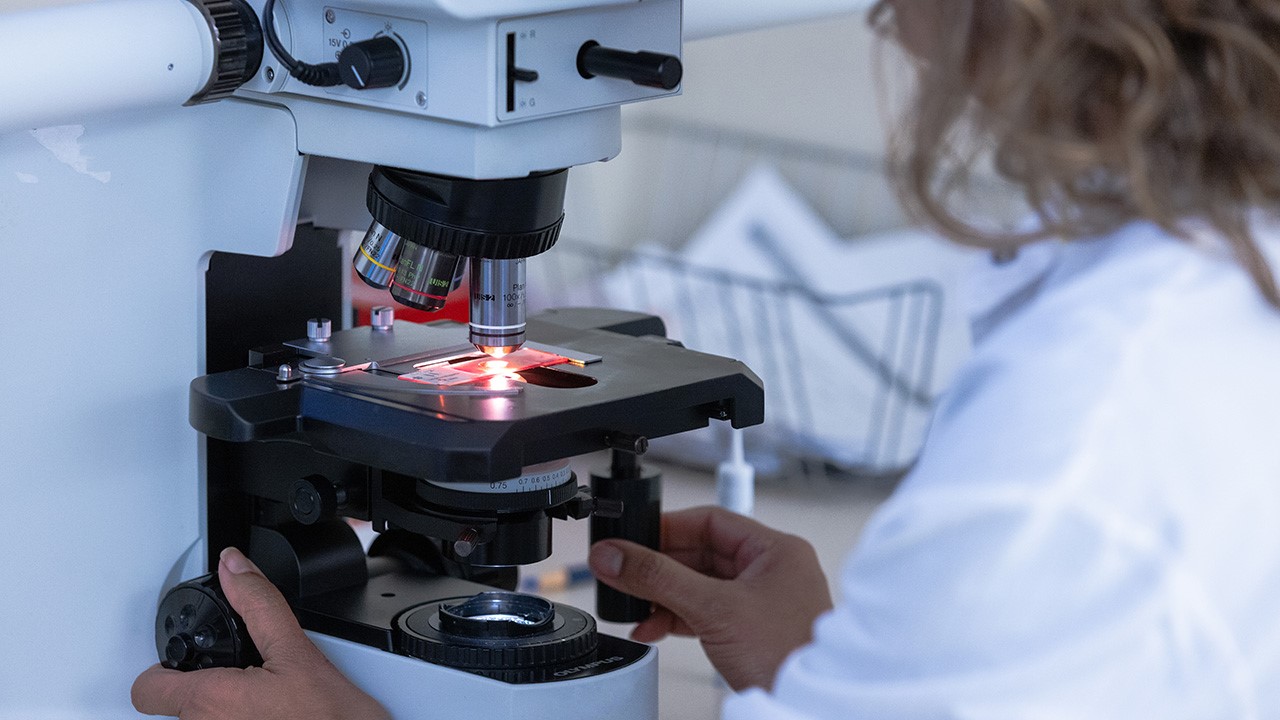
point(1102, 111)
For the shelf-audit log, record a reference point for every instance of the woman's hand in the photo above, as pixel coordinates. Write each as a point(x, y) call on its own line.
point(296, 681)
point(748, 592)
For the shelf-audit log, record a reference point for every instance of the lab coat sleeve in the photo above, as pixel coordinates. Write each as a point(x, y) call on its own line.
point(1000, 608)
point(1035, 563)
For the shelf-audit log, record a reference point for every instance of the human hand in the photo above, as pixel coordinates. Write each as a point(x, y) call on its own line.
point(296, 681)
point(749, 593)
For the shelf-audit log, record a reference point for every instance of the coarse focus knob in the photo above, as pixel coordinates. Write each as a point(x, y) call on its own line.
point(369, 64)
point(197, 628)
point(642, 68)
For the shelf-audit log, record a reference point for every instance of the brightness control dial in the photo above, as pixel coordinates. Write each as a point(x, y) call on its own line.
point(369, 64)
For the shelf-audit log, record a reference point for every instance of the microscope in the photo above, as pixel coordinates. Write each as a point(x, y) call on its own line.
point(175, 175)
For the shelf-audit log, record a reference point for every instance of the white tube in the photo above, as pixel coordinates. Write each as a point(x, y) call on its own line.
point(708, 18)
point(736, 478)
point(62, 64)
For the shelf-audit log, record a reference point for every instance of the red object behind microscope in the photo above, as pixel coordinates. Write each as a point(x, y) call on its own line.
point(364, 298)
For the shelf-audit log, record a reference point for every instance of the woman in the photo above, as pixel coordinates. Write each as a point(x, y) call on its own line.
point(1091, 529)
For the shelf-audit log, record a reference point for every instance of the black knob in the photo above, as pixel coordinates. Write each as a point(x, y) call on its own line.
point(370, 64)
point(197, 628)
point(312, 498)
point(639, 491)
point(642, 68)
point(237, 45)
point(180, 649)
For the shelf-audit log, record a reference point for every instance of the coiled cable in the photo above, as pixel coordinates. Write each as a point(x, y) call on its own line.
point(322, 75)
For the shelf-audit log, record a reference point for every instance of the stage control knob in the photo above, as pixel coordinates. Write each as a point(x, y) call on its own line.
point(642, 68)
point(196, 628)
point(369, 64)
point(314, 498)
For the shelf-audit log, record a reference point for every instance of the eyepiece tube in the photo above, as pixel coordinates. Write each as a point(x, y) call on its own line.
point(497, 305)
point(423, 277)
point(375, 259)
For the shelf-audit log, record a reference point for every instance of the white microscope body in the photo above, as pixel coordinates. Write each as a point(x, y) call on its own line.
point(113, 197)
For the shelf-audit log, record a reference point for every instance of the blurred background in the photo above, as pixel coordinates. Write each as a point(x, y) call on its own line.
point(754, 215)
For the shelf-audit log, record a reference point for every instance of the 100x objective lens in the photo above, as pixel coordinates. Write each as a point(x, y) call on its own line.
point(497, 305)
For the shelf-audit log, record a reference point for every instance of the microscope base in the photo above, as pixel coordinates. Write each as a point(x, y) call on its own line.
point(411, 689)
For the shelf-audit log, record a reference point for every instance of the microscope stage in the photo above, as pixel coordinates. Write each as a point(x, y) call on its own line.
point(361, 395)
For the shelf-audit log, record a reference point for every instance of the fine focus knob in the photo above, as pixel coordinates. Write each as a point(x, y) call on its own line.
point(369, 64)
point(642, 68)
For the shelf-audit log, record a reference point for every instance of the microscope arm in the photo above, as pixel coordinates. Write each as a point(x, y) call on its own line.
point(72, 63)
point(64, 64)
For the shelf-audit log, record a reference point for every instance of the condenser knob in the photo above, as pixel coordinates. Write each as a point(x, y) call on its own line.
point(369, 64)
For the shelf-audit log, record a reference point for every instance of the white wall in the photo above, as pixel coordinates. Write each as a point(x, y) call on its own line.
point(813, 82)
point(806, 98)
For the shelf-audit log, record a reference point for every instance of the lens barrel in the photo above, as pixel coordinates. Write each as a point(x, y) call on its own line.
point(423, 277)
point(497, 305)
point(375, 259)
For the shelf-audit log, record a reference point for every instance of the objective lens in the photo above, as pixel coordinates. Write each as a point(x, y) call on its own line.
point(375, 259)
point(457, 276)
point(423, 277)
point(497, 305)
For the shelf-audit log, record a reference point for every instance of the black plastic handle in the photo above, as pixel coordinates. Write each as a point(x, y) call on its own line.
point(640, 493)
point(642, 68)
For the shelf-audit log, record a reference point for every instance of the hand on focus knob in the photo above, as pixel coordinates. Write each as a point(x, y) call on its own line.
point(749, 593)
point(296, 681)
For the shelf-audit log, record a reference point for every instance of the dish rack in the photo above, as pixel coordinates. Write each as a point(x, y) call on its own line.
point(869, 415)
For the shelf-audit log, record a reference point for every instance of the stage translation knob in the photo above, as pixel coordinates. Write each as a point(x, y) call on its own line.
point(369, 64)
point(642, 68)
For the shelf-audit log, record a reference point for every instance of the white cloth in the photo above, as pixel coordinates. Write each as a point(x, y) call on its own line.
point(1093, 530)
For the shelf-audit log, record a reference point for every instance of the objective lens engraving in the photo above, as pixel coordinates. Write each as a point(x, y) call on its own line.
point(423, 277)
point(497, 305)
point(375, 259)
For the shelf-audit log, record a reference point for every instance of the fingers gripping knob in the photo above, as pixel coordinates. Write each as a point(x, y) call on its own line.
point(196, 628)
point(639, 492)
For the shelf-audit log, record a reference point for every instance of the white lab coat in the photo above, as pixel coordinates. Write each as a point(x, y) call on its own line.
point(1093, 529)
